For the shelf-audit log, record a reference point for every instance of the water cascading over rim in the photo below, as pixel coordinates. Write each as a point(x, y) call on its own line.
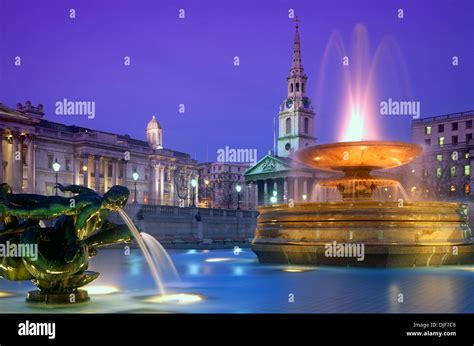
point(357, 160)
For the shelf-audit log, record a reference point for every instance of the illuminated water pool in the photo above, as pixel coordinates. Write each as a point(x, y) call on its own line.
point(223, 281)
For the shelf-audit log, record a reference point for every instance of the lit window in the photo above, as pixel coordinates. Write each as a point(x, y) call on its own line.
point(467, 189)
point(453, 171)
point(454, 155)
point(452, 188)
point(438, 172)
point(439, 157)
point(425, 172)
point(428, 130)
point(441, 141)
point(466, 155)
point(467, 170)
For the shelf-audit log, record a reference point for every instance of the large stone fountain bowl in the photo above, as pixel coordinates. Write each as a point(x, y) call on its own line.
point(417, 234)
point(363, 155)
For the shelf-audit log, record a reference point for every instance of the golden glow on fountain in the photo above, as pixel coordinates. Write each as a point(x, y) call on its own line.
point(357, 160)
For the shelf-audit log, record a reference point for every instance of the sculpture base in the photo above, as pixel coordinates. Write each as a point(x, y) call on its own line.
point(374, 256)
point(79, 296)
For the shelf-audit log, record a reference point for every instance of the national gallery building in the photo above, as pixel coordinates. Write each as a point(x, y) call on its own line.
point(36, 153)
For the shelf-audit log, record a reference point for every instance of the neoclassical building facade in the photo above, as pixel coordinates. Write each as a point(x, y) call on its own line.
point(96, 159)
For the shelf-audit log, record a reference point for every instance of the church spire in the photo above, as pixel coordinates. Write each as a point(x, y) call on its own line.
point(297, 78)
point(297, 49)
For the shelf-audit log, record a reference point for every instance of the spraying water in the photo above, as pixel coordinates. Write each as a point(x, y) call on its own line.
point(148, 257)
point(161, 258)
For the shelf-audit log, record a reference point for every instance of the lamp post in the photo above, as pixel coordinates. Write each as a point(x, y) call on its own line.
point(194, 184)
point(274, 199)
point(56, 168)
point(238, 188)
point(135, 177)
point(206, 182)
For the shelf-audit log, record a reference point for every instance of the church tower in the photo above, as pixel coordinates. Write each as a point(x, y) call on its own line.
point(296, 117)
point(154, 134)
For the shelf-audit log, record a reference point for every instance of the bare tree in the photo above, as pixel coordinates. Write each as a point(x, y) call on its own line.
point(227, 197)
point(181, 183)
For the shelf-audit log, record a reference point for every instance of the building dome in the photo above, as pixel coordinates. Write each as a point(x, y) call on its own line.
point(154, 134)
point(153, 124)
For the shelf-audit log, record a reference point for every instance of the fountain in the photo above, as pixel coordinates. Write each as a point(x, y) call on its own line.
point(399, 233)
point(56, 258)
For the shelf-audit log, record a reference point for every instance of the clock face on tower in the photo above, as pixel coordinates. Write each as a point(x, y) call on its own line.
point(289, 103)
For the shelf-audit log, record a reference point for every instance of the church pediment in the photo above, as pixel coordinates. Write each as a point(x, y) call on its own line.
point(269, 164)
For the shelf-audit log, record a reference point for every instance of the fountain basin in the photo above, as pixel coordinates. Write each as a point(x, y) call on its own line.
point(416, 234)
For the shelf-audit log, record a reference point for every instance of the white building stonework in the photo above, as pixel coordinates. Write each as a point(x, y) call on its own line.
point(96, 159)
point(445, 170)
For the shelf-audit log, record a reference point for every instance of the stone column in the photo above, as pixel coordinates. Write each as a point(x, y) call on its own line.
point(285, 190)
point(31, 165)
point(265, 192)
point(172, 185)
point(247, 195)
point(2, 177)
point(255, 187)
point(114, 171)
point(75, 169)
point(305, 188)
point(21, 145)
point(275, 188)
point(97, 173)
point(85, 163)
point(162, 184)
point(15, 164)
point(295, 190)
point(154, 183)
point(124, 172)
point(106, 173)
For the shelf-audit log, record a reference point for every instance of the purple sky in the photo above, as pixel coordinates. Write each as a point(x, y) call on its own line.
point(190, 61)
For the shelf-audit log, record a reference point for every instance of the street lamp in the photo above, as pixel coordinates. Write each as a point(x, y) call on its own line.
point(135, 177)
point(207, 182)
point(273, 199)
point(56, 168)
point(238, 188)
point(194, 184)
point(305, 197)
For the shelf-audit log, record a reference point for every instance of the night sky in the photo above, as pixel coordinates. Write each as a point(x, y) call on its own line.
point(190, 61)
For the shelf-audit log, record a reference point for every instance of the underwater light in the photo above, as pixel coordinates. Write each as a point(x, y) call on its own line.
point(217, 259)
point(5, 294)
point(177, 298)
point(102, 290)
point(296, 270)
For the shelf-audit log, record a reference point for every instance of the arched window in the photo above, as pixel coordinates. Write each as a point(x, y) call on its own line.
point(291, 87)
point(297, 86)
point(288, 125)
point(306, 125)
